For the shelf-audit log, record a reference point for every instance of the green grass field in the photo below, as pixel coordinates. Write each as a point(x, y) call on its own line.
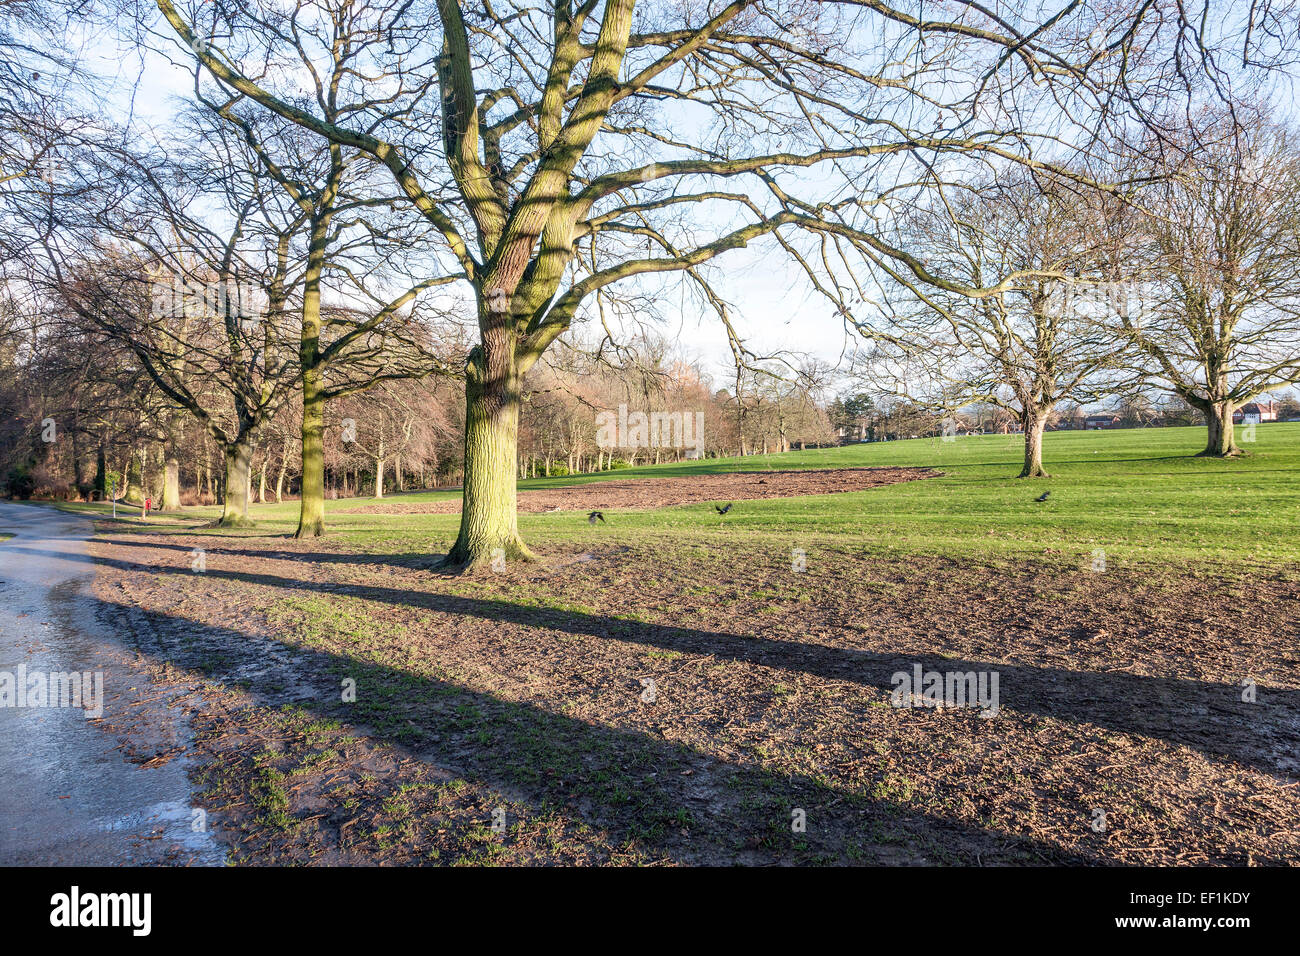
point(1139, 494)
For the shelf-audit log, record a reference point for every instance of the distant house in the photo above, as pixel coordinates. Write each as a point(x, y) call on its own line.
point(1252, 413)
point(1093, 422)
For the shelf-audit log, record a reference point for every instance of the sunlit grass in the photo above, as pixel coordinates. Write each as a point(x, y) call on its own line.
point(1138, 493)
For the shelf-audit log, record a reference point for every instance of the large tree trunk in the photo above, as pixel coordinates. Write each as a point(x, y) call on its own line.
point(311, 514)
point(1033, 422)
point(134, 478)
point(100, 491)
point(234, 510)
point(311, 511)
point(488, 519)
point(170, 500)
point(158, 475)
point(379, 477)
point(1221, 440)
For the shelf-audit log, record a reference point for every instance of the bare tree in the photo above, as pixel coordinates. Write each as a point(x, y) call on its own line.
point(1218, 248)
point(1047, 336)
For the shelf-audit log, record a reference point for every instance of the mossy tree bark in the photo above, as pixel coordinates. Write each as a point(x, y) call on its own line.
point(234, 509)
point(170, 500)
point(134, 479)
point(489, 526)
point(311, 510)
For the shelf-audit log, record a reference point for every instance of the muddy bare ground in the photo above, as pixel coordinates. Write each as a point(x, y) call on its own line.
point(685, 705)
point(684, 490)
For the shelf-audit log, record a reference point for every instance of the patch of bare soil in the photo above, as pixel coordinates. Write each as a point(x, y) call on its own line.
point(695, 706)
point(681, 490)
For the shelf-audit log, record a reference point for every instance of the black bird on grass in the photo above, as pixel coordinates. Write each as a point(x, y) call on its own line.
point(722, 511)
point(1043, 496)
point(591, 518)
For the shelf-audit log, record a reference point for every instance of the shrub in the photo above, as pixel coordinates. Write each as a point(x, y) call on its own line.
point(46, 484)
point(20, 482)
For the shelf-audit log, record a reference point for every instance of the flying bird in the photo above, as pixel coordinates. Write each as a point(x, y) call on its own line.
point(722, 511)
point(1043, 496)
point(591, 518)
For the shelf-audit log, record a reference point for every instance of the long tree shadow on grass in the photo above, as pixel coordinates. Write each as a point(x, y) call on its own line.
point(668, 800)
point(1206, 716)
